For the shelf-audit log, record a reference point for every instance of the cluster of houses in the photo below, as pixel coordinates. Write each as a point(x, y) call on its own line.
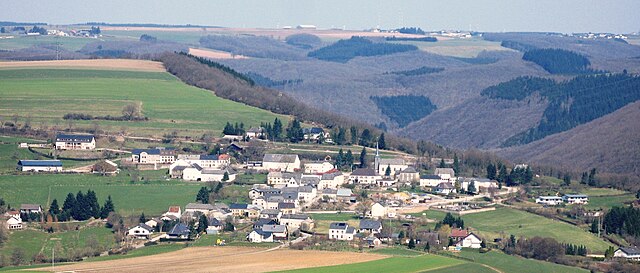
point(567, 198)
point(62, 142)
point(13, 218)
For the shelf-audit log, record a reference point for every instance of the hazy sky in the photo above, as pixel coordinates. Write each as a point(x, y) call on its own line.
point(621, 16)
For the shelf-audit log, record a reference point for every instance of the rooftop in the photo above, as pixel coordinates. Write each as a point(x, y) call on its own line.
point(280, 158)
point(74, 138)
point(40, 163)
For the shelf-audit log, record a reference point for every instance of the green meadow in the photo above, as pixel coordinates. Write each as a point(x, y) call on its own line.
point(42, 97)
point(396, 264)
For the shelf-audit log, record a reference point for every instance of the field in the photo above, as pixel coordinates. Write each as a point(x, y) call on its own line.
point(505, 221)
point(97, 64)
point(423, 263)
point(42, 97)
point(68, 43)
point(508, 263)
point(466, 48)
point(225, 259)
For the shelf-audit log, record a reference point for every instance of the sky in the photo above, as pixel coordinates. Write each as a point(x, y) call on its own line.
point(566, 16)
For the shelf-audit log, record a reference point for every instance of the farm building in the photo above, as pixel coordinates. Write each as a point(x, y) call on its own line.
point(431, 180)
point(30, 208)
point(197, 173)
point(549, 200)
point(318, 167)
point(153, 156)
point(75, 142)
point(179, 231)
point(576, 198)
point(629, 253)
point(40, 165)
point(281, 162)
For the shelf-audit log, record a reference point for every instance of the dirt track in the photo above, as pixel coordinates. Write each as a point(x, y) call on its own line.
point(115, 64)
point(221, 259)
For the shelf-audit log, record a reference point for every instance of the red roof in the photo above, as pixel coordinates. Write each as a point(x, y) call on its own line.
point(224, 157)
point(459, 233)
point(174, 209)
point(12, 213)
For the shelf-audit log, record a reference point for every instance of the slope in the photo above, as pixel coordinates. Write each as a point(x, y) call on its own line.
point(610, 143)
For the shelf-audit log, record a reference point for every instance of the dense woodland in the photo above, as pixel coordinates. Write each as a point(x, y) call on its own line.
point(623, 221)
point(421, 39)
point(404, 109)
point(518, 88)
point(253, 46)
point(303, 40)
point(270, 83)
point(418, 71)
point(558, 61)
point(411, 30)
point(345, 50)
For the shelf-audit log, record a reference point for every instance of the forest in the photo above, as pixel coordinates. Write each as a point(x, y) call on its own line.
point(622, 221)
point(558, 61)
point(271, 83)
point(518, 88)
point(571, 103)
point(418, 71)
point(344, 50)
point(404, 109)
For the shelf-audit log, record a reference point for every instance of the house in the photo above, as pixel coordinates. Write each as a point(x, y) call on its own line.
point(254, 132)
point(409, 175)
point(315, 133)
point(105, 167)
point(263, 221)
point(445, 188)
point(179, 231)
point(431, 180)
point(318, 167)
point(260, 236)
point(270, 214)
point(197, 207)
point(197, 173)
point(235, 148)
point(445, 173)
point(341, 231)
point(258, 191)
point(576, 198)
point(345, 195)
point(183, 161)
point(629, 253)
point(458, 234)
point(549, 200)
point(30, 208)
point(331, 179)
point(75, 142)
point(284, 179)
point(279, 231)
point(287, 208)
point(281, 162)
point(14, 222)
point(214, 226)
point(40, 165)
point(364, 176)
point(175, 211)
point(296, 221)
point(158, 155)
point(470, 241)
point(378, 211)
point(140, 231)
point(239, 210)
point(395, 165)
point(385, 182)
point(479, 184)
point(370, 226)
point(372, 241)
point(153, 222)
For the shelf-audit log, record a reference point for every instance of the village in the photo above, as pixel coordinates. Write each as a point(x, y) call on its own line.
point(382, 204)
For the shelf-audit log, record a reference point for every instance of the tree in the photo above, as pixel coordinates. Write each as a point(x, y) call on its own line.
point(142, 218)
point(203, 223)
point(585, 178)
point(225, 177)
point(365, 138)
point(502, 174)
point(353, 131)
point(442, 164)
point(382, 144)
point(294, 131)
point(594, 227)
point(3, 30)
point(131, 111)
point(427, 247)
point(566, 180)
point(638, 194)
point(107, 208)
point(203, 195)
point(412, 244)
point(348, 159)
point(363, 207)
point(456, 164)
point(472, 187)
point(363, 158)
point(276, 129)
point(92, 204)
point(69, 203)
point(54, 209)
point(387, 172)
point(592, 178)
point(491, 171)
point(228, 129)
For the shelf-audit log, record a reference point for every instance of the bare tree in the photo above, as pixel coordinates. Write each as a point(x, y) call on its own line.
point(131, 111)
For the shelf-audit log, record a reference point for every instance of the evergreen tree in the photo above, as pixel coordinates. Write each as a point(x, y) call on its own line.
point(491, 171)
point(203, 223)
point(340, 159)
point(427, 247)
point(107, 208)
point(363, 158)
point(348, 159)
point(638, 194)
point(382, 144)
point(585, 178)
point(528, 175)
point(502, 174)
point(228, 129)
point(566, 180)
point(365, 138)
point(387, 172)
point(225, 177)
point(79, 210)
point(277, 129)
point(69, 203)
point(294, 131)
point(472, 187)
point(142, 218)
point(203, 195)
point(592, 178)
point(93, 205)
point(354, 135)
point(54, 209)
point(594, 227)
point(442, 165)
point(456, 164)
point(412, 243)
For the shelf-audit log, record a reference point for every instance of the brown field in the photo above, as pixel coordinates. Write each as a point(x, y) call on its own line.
point(117, 64)
point(214, 54)
point(222, 259)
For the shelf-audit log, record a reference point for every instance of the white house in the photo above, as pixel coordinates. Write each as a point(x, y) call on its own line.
point(378, 210)
point(295, 221)
point(549, 200)
point(159, 155)
point(409, 175)
point(75, 142)
point(341, 231)
point(445, 188)
point(315, 133)
point(40, 165)
point(629, 253)
point(197, 207)
point(260, 236)
point(318, 167)
point(14, 222)
point(254, 132)
point(140, 231)
point(284, 179)
point(370, 226)
point(173, 210)
point(279, 231)
point(395, 165)
point(197, 173)
point(30, 208)
point(364, 176)
point(576, 198)
point(431, 180)
point(470, 241)
point(281, 162)
point(331, 179)
point(445, 173)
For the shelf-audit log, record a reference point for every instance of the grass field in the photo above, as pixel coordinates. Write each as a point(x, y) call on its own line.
point(466, 48)
point(145, 251)
point(508, 263)
point(68, 43)
point(394, 264)
point(606, 202)
point(506, 221)
point(395, 251)
point(43, 96)
point(190, 37)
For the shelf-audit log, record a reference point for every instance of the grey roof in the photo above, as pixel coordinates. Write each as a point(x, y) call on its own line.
point(331, 175)
point(145, 226)
point(274, 228)
point(313, 130)
point(364, 172)
point(280, 158)
point(40, 163)
point(30, 207)
point(391, 161)
point(445, 171)
point(295, 216)
point(351, 230)
point(238, 206)
point(261, 222)
point(74, 138)
point(370, 224)
point(344, 192)
point(277, 198)
point(305, 189)
point(179, 230)
point(270, 211)
point(283, 205)
point(208, 157)
point(216, 171)
point(198, 206)
point(310, 180)
point(329, 191)
point(255, 130)
point(338, 225)
point(180, 168)
point(148, 151)
point(409, 170)
point(430, 176)
point(262, 233)
point(214, 222)
point(630, 250)
point(576, 196)
point(290, 195)
point(445, 185)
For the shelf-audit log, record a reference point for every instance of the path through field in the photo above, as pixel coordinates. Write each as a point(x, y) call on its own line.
point(222, 259)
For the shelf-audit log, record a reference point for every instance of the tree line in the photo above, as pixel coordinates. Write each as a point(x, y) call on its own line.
point(81, 207)
point(404, 109)
point(344, 50)
point(558, 61)
point(624, 221)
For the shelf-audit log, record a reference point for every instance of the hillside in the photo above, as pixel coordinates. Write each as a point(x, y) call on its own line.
point(610, 143)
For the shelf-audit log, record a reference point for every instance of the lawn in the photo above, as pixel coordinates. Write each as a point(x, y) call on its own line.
point(42, 97)
point(606, 202)
point(506, 221)
point(343, 216)
point(153, 196)
point(508, 263)
point(68, 43)
point(395, 251)
point(144, 251)
point(188, 37)
point(393, 264)
point(466, 48)
point(468, 267)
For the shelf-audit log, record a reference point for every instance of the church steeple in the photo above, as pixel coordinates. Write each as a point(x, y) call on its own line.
point(376, 160)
